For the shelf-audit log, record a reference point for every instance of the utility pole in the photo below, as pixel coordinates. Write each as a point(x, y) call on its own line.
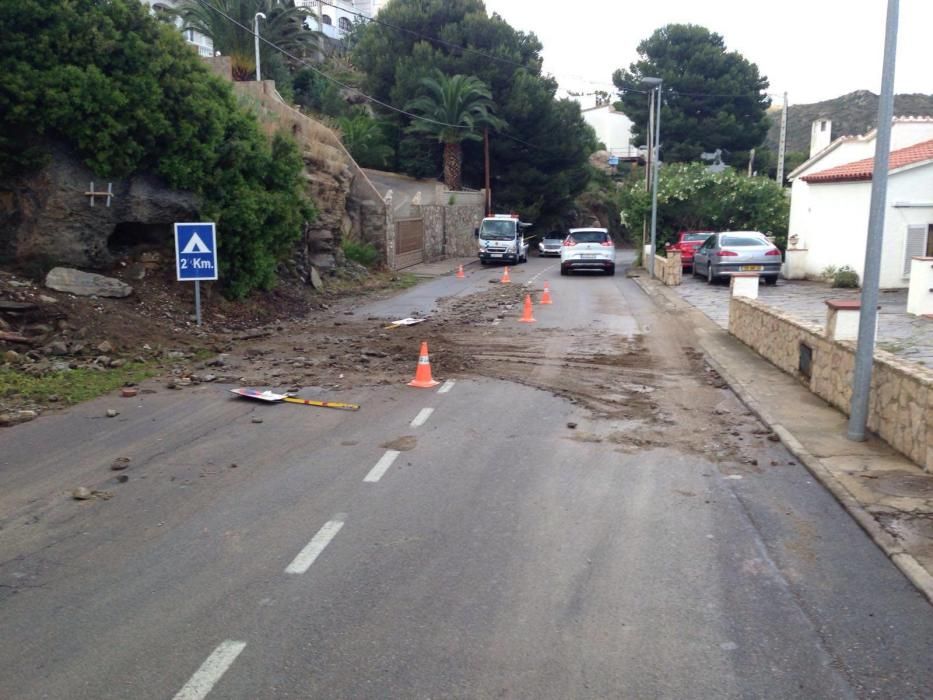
point(782, 144)
point(751, 162)
point(486, 156)
point(258, 16)
point(865, 348)
point(656, 84)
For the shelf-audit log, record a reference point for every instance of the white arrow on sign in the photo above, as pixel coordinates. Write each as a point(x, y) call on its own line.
point(196, 245)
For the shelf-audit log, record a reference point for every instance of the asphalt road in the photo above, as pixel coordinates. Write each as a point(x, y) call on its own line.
point(476, 550)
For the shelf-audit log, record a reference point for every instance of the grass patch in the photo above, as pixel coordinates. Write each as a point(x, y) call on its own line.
point(72, 386)
point(365, 254)
point(404, 280)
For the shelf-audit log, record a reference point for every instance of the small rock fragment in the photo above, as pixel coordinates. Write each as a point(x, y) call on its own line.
point(112, 413)
point(257, 420)
point(120, 463)
point(81, 493)
point(572, 425)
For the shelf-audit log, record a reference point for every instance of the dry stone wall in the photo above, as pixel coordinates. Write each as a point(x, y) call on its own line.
point(670, 269)
point(901, 397)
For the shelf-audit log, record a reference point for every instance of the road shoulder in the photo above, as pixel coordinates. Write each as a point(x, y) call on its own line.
point(859, 475)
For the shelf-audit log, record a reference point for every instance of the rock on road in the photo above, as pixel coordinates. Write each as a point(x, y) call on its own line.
point(461, 542)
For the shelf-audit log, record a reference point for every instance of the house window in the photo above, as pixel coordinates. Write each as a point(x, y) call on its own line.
point(822, 126)
point(344, 24)
point(919, 244)
point(326, 20)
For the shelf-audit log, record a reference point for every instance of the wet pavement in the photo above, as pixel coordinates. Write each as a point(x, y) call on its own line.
point(907, 336)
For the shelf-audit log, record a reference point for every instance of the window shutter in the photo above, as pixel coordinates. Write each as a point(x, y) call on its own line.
point(916, 246)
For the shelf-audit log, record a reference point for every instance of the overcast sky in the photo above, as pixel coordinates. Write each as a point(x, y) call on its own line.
point(813, 49)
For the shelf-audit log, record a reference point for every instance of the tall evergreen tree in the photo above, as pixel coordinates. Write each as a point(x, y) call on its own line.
point(712, 98)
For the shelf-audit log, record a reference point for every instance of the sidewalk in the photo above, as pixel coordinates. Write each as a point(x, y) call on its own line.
point(888, 495)
point(439, 268)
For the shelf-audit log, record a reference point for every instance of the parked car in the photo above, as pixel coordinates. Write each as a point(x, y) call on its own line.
point(731, 252)
point(687, 243)
point(588, 249)
point(550, 243)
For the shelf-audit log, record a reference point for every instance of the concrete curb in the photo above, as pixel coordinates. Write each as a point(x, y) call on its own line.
point(908, 565)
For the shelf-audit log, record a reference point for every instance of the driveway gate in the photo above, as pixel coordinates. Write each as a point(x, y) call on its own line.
point(409, 242)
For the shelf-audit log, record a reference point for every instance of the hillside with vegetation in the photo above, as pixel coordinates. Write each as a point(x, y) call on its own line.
point(851, 114)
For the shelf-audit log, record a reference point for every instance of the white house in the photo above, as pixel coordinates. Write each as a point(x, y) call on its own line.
point(613, 128)
point(336, 17)
point(203, 44)
point(830, 198)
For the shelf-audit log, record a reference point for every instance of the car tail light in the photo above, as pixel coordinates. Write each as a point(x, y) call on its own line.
point(726, 253)
point(773, 251)
point(569, 242)
point(608, 244)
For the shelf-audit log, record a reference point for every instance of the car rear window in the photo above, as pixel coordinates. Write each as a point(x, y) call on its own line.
point(589, 236)
point(735, 241)
point(696, 236)
point(554, 236)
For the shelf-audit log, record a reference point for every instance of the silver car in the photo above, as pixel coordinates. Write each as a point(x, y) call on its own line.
point(732, 252)
point(550, 243)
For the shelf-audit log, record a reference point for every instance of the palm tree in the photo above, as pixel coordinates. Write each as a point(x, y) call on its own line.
point(365, 141)
point(453, 110)
point(284, 26)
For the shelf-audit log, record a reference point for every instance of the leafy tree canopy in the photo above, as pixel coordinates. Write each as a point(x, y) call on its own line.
point(691, 197)
point(712, 98)
point(126, 94)
point(538, 180)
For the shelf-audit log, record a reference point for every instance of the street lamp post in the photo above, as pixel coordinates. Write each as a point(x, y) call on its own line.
point(655, 84)
point(256, 18)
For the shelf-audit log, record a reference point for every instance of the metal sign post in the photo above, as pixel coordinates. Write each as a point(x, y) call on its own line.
point(196, 257)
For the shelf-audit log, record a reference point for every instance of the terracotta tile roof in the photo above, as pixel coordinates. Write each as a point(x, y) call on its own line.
point(862, 169)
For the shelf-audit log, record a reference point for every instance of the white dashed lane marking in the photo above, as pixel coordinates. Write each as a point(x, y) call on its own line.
point(382, 466)
point(313, 549)
point(447, 386)
point(422, 417)
point(211, 670)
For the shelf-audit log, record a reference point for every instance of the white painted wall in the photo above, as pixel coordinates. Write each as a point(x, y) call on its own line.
point(612, 128)
point(821, 131)
point(909, 186)
point(834, 227)
point(204, 44)
point(831, 220)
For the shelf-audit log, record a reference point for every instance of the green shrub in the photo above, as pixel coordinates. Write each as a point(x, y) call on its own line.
point(846, 278)
point(127, 95)
point(363, 253)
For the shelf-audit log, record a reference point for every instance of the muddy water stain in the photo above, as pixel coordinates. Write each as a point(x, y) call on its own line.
point(406, 443)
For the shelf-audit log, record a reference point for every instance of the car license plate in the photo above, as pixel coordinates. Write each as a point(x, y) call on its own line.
point(495, 255)
point(589, 257)
point(750, 268)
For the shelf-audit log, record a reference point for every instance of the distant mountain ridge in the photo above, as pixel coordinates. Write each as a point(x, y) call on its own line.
point(851, 114)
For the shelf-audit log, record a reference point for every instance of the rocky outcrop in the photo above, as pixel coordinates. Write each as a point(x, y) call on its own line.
point(46, 217)
point(348, 206)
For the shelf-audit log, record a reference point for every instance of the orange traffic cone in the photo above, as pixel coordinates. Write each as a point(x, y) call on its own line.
point(505, 276)
point(526, 314)
point(460, 274)
point(423, 379)
point(546, 296)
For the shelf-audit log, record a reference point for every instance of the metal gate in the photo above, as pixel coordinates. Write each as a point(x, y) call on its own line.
point(409, 242)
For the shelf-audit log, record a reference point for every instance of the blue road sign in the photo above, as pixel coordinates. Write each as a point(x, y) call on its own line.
point(195, 252)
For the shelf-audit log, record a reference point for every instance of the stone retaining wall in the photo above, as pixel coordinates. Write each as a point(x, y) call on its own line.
point(901, 398)
point(669, 270)
point(448, 229)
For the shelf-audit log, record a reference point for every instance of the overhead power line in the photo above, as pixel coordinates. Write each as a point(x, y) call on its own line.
point(332, 79)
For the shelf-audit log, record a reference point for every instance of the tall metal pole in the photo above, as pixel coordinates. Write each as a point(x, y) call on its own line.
point(256, 18)
point(782, 145)
point(865, 349)
point(654, 179)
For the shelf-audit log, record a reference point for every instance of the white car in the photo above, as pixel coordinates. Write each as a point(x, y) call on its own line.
point(588, 249)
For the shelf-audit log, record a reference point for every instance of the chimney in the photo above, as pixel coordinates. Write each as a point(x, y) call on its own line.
point(820, 135)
